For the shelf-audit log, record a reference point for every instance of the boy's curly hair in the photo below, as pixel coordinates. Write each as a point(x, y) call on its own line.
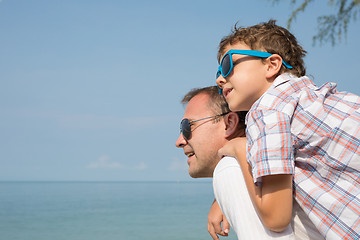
point(271, 38)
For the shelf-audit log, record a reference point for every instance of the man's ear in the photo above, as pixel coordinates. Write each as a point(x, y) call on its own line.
point(274, 63)
point(231, 124)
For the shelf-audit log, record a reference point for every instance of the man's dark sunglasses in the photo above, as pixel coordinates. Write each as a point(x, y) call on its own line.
point(185, 125)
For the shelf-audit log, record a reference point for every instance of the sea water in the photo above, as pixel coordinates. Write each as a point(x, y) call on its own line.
point(105, 210)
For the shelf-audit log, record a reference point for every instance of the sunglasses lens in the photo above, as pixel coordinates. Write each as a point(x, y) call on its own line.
point(226, 65)
point(218, 74)
point(185, 128)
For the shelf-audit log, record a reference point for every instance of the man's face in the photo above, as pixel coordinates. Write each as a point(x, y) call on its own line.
point(206, 139)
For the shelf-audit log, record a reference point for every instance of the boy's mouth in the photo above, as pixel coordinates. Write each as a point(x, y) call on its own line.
point(226, 91)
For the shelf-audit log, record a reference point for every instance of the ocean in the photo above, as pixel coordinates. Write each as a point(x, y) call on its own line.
point(105, 210)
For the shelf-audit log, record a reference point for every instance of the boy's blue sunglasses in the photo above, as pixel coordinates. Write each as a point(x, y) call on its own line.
point(226, 64)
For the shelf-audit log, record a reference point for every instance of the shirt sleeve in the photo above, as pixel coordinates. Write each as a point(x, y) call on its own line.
point(269, 143)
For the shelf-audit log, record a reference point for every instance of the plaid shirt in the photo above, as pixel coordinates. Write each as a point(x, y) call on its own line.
point(313, 133)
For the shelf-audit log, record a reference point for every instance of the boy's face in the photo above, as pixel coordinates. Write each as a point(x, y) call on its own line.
point(247, 82)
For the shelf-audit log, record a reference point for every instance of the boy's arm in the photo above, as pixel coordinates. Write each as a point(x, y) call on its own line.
point(273, 199)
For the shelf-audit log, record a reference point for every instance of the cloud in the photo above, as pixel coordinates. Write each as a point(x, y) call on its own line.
point(178, 165)
point(89, 121)
point(93, 121)
point(141, 166)
point(105, 162)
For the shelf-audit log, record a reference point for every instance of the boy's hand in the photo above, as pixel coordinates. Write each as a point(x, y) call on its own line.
point(215, 218)
point(231, 147)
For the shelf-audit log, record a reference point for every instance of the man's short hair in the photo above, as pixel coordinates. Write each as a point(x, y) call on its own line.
point(217, 102)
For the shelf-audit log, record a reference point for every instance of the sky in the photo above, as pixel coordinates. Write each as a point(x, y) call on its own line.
point(90, 90)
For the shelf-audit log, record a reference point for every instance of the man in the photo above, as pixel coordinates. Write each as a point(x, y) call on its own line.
point(207, 125)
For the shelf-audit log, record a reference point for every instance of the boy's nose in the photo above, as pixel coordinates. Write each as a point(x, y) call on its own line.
point(220, 81)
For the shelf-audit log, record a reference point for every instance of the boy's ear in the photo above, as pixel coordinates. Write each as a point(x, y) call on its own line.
point(274, 63)
point(231, 124)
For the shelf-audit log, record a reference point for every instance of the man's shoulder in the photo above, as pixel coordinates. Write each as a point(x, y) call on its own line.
point(225, 163)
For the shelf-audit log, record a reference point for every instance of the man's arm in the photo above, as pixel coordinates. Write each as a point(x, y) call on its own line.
point(215, 218)
point(273, 199)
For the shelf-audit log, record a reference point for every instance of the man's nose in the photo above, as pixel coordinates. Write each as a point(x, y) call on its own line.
point(181, 141)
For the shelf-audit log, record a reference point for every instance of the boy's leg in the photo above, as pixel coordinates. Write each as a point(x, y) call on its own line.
point(233, 198)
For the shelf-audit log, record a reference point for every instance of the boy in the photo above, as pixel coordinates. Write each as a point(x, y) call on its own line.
point(301, 139)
